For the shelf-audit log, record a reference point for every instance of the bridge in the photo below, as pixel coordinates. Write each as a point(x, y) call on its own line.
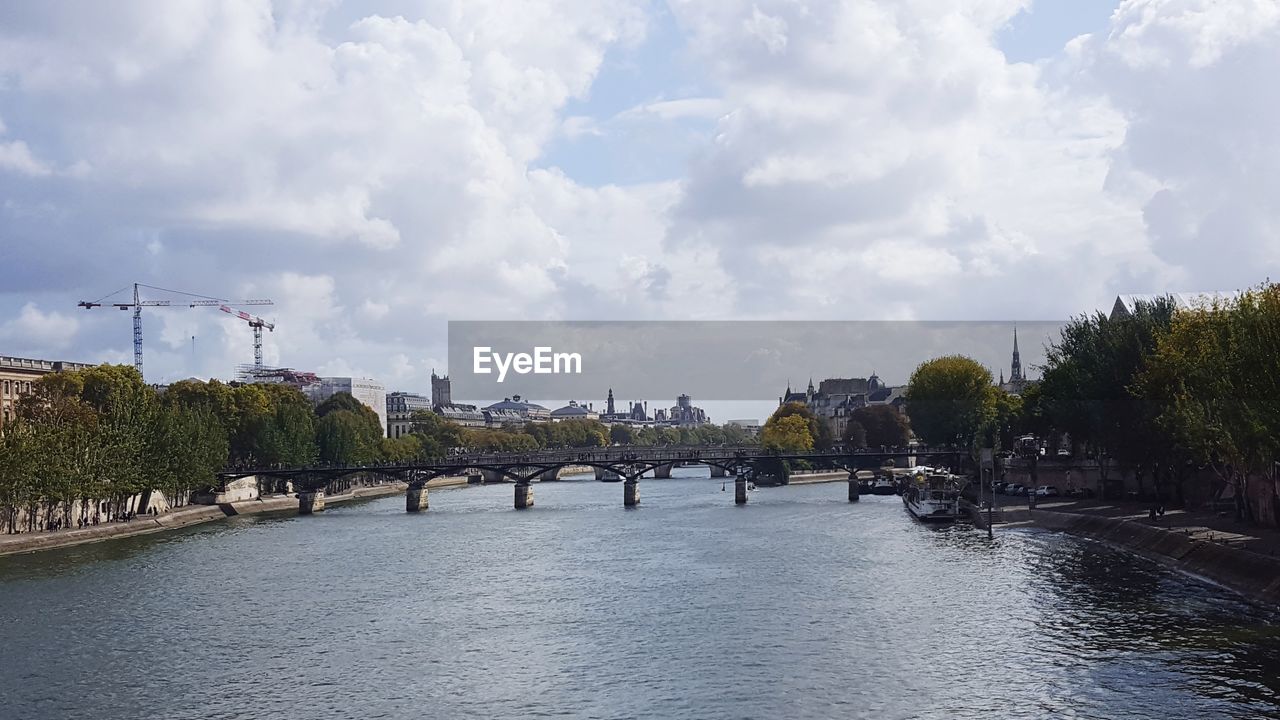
point(626, 464)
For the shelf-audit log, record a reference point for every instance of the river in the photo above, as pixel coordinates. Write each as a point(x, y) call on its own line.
point(799, 605)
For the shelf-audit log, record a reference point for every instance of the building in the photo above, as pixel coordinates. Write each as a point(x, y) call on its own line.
point(574, 411)
point(515, 409)
point(1017, 381)
point(303, 381)
point(752, 426)
point(369, 392)
point(836, 399)
point(400, 409)
point(464, 415)
point(441, 390)
point(1126, 305)
point(685, 413)
point(18, 375)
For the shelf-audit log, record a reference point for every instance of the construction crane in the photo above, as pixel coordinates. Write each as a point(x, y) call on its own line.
point(198, 301)
point(257, 324)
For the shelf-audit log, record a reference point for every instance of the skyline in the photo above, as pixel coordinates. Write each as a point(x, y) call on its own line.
point(381, 168)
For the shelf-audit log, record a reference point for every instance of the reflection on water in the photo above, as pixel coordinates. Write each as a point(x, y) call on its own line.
point(798, 605)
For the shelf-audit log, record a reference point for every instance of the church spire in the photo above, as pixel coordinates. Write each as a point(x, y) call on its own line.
point(1015, 370)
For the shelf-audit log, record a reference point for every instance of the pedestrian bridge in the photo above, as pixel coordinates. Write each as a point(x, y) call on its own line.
point(627, 464)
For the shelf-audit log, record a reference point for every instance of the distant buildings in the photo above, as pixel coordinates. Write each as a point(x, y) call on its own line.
point(400, 409)
point(514, 409)
point(752, 426)
point(574, 411)
point(685, 413)
point(369, 392)
point(835, 399)
point(17, 376)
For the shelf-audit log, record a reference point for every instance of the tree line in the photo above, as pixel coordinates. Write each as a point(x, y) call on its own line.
point(1185, 400)
point(86, 443)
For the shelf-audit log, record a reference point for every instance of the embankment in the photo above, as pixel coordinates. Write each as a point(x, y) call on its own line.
point(191, 515)
point(1252, 575)
point(817, 477)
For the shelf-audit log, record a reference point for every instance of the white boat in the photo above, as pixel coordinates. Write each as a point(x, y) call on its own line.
point(883, 486)
point(935, 499)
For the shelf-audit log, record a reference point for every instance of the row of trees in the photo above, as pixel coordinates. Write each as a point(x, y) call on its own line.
point(437, 435)
point(84, 442)
point(1185, 400)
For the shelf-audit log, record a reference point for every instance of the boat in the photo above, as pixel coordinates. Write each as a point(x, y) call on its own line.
point(883, 486)
point(933, 498)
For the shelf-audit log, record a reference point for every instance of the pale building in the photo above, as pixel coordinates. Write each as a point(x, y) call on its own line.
point(400, 409)
point(369, 392)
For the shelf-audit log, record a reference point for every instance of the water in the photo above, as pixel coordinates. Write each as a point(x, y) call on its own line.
point(799, 605)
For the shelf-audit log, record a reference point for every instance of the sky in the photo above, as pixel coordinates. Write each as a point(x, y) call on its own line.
point(380, 168)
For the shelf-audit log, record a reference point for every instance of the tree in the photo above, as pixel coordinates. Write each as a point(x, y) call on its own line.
point(950, 399)
point(344, 437)
point(437, 435)
point(882, 425)
point(786, 433)
point(818, 431)
point(620, 435)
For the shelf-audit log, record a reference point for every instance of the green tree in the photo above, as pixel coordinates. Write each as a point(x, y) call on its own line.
point(949, 399)
point(787, 433)
point(882, 424)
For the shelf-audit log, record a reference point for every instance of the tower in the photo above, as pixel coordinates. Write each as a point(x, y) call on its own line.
point(1015, 371)
point(441, 390)
point(808, 394)
point(608, 407)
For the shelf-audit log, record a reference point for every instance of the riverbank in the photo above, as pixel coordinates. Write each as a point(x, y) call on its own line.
point(1220, 557)
point(817, 477)
point(192, 515)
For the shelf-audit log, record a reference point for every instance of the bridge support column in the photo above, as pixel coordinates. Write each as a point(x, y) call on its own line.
point(719, 472)
point(663, 471)
point(524, 495)
point(853, 487)
point(415, 498)
point(740, 491)
point(310, 502)
point(630, 493)
point(552, 474)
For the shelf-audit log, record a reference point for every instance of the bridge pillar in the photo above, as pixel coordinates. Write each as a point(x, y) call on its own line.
point(310, 502)
point(740, 491)
point(630, 493)
point(853, 487)
point(491, 476)
point(717, 471)
point(550, 474)
point(605, 475)
point(663, 471)
point(524, 495)
point(415, 498)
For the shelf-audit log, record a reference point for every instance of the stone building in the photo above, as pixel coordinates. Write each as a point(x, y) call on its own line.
point(18, 375)
point(575, 411)
point(400, 409)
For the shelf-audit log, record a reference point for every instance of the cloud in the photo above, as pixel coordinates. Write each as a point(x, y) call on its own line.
point(34, 328)
point(379, 168)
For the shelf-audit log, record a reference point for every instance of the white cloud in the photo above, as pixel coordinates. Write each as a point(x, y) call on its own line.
point(33, 329)
point(16, 156)
point(372, 167)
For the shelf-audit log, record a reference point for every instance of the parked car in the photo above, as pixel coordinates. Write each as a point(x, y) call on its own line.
point(1046, 491)
point(1015, 489)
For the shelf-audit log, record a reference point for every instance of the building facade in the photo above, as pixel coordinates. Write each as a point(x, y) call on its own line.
point(400, 409)
point(18, 375)
point(369, 392)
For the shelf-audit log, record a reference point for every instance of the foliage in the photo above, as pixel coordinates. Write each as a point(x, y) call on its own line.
point(950, 399)
point(879, 425)
point(787, 433)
